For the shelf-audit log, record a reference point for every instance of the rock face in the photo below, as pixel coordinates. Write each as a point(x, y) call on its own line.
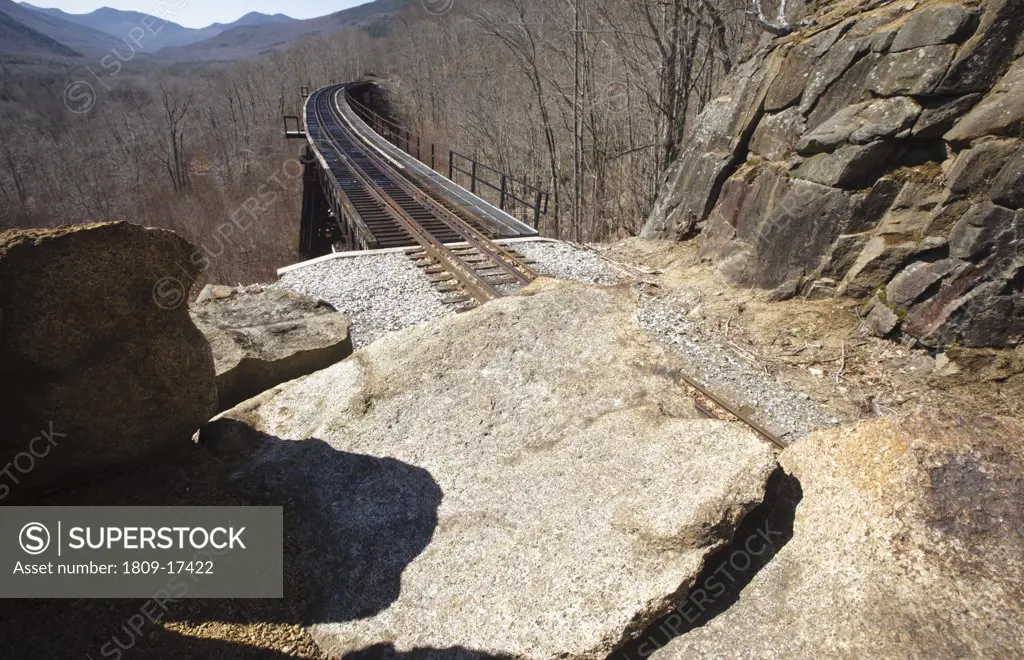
point(881, 138)
point(693, 183)
point(907, 543)
point(264, 337)
point(91, 348)
point(508, 482)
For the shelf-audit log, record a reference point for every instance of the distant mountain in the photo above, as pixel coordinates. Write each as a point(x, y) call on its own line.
point(253, 40)
point(120, 24)
point(255, 18)
point(102, 31)
point(158, 33)
point(52, 12)
point(17, 38)
point(77, 37)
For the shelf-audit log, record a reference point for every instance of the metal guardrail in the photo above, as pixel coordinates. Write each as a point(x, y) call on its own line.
point(536, 200)
point(505, 189)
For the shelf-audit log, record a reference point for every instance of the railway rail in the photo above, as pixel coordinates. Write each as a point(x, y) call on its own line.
point(395, 206)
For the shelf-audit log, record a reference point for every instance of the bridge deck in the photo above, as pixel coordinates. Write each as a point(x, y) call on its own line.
point(498, 223)
point(376, 201)
point(341, 124)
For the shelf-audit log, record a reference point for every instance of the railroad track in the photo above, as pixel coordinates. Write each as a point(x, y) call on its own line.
point(453, 250)
point(397, 207)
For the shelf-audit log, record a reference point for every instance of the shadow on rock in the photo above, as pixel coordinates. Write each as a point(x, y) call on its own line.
point(359, 520)
point(353, 523)
point(167, 644)
point(761, 535)
point(388, 652)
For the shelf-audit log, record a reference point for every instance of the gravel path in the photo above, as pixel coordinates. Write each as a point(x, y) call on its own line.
point(727, 372)
point(380, 293)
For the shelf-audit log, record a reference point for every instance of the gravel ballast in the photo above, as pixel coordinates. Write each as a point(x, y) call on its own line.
point(380, 293)
point(726, 371)
point(568, 262)
point(386, 292)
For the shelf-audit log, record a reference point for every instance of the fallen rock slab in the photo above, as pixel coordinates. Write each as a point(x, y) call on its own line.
point(264, 337)
point(96, 345)
point(907, 543)
point(527, 480)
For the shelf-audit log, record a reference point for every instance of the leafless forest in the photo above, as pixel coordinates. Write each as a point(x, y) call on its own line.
point(589, 99)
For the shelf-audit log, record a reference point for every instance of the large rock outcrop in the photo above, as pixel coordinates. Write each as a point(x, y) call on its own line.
point(91, 350)
point(878, 146)
point(907, 543)
point(512, 482)
point(262, 337)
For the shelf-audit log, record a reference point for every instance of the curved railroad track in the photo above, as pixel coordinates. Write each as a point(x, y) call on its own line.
point(396, 206)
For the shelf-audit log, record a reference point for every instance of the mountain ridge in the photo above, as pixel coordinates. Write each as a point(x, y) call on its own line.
point(149, 33)
point(255, 18)
point(18, 38)
point(253, 40)
point(107, 30)
point(78, 38)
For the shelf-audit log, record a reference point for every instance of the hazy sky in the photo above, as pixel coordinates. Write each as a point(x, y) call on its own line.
point(200, 13)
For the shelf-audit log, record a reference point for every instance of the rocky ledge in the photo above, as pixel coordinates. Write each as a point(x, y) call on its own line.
point(907, 543)
point(875, 154)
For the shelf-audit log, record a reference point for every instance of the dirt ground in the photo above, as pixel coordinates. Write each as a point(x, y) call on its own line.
point(823, 348)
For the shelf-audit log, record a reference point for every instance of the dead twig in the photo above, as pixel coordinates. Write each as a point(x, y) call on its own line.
point(798, 351)
point(728, 325)
point(620, 264)
point(747, 355)
point(842, 365)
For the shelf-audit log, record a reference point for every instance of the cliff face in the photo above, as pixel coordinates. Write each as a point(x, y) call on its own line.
point(875, 153)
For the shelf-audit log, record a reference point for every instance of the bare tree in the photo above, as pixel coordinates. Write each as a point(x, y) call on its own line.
point(176, 154)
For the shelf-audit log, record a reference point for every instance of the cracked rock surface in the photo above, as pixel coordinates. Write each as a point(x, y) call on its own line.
point(877, 138)
point(509, 482)
point(907, 543)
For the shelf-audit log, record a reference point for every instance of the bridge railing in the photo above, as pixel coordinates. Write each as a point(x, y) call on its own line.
point(507, 188)
point(293, 127)
point(512, 195)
